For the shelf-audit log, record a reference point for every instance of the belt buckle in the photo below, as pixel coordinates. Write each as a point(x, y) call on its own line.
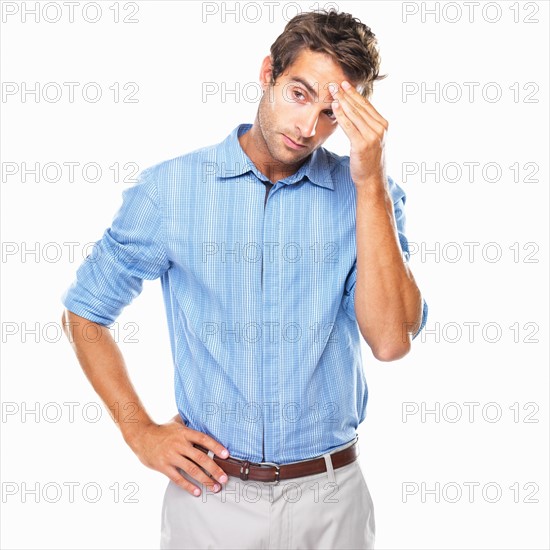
point(277, 472)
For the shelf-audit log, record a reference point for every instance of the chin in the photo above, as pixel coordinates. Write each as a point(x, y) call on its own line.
point(291, 157)
point(292, 160)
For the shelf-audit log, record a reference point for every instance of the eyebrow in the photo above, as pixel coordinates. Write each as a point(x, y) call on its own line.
point(306, 85)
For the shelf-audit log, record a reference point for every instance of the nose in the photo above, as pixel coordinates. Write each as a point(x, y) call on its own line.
point(308, 124)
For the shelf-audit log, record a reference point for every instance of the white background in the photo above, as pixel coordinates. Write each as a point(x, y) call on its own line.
point(170, 52)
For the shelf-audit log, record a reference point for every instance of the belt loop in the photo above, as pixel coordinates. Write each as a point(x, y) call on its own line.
point(245, 470)
point(330, 469)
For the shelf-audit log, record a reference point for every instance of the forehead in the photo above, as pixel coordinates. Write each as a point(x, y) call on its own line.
point(316, 68)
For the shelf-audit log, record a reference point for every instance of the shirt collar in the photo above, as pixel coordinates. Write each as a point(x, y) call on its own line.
point(233, 162)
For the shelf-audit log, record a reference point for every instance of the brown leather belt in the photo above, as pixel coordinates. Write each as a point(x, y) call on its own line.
point(270, 472)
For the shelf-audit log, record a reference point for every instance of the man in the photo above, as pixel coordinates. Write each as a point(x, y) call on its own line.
point(275, 255)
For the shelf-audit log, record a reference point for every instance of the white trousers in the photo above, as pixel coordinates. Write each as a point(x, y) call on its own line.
point(331, 510)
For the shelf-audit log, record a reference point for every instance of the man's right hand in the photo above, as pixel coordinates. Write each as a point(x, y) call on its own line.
point(164, 447)
point(167, 447)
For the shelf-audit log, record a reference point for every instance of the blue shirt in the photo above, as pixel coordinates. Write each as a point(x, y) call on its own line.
point(259, 299)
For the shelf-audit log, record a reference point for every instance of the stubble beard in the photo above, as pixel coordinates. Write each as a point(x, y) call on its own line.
point(271, 138)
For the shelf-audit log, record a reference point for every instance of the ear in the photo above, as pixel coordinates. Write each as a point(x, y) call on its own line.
point(265, 72)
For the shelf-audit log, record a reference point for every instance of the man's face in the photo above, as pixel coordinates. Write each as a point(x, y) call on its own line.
point(295, 115)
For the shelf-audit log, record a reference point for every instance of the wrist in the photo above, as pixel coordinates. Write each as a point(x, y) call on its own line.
point(133, 433)
point(373, 191)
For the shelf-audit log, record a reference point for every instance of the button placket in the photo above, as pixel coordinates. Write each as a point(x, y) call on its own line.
point(271, 324)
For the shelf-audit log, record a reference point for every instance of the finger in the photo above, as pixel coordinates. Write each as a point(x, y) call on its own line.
point(174, 475)
point(364, 122)
point(207, 442)
point(353, 95)
point(347, 125)
point(357, 118)
point(357, 114)
point(204, 461)
point(193, 470)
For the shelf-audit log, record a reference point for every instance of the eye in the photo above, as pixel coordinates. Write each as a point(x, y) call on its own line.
point(299, 95)
point(330, 114)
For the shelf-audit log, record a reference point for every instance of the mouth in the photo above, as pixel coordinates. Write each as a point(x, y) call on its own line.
point(292, 144)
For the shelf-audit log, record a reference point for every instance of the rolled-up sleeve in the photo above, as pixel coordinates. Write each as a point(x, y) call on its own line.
point(398, 198)
point(131, 250)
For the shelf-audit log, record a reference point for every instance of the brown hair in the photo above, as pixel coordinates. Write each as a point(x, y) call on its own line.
point(348, 41)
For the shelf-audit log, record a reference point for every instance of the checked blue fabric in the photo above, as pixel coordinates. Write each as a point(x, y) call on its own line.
point(259, 299)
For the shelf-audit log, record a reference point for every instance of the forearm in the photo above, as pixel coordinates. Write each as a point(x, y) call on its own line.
point(388, 303)
point(167, 448)
point(104, 366)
